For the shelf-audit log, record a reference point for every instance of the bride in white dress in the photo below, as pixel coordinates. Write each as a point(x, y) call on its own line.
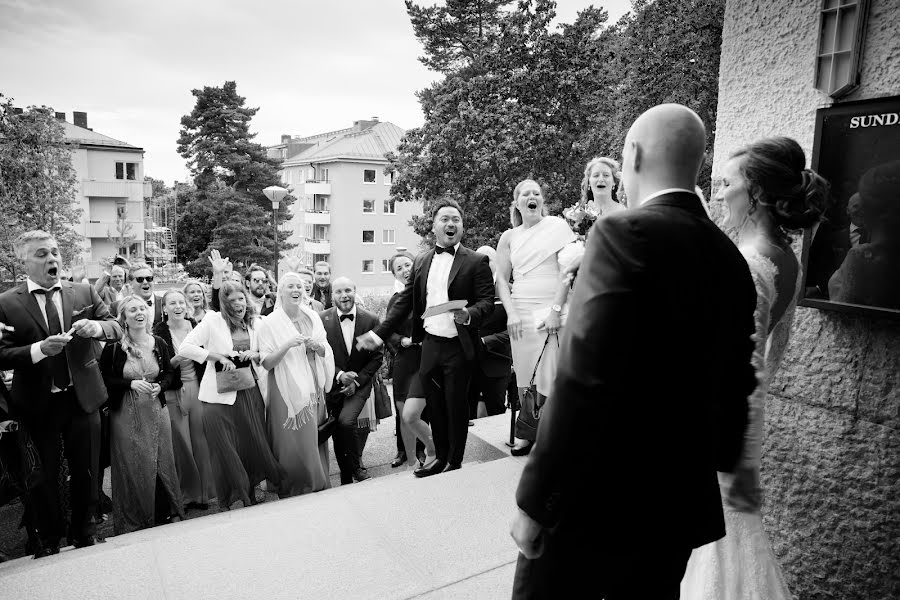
point(768, 193)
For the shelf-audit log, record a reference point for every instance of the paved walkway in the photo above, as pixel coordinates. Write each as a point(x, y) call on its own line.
point(394, 537)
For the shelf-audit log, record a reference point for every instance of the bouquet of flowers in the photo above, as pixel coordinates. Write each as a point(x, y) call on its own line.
point(581, 218)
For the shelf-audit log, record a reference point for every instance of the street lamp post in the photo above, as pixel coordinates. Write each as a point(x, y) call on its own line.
point(275, 194)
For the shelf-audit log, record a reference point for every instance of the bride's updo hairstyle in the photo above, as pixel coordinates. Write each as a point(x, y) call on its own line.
point(586, 192)
point(779, 183)
point(515, 216)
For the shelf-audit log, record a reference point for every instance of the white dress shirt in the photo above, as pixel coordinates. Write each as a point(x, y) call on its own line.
point(36, 354)
point(437, 293)
point(670, 191)
point(348, 327)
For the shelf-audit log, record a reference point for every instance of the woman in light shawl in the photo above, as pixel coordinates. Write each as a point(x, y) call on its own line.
point(528, 255)
point(295, 351)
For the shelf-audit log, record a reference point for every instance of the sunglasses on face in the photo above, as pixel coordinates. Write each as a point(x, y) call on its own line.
point(148, 279)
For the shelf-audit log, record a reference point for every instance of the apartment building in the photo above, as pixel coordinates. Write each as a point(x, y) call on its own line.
point(110, 191)
point(344, 214)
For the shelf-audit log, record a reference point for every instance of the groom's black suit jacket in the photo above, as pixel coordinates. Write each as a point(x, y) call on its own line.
point(470, 280)
point(365, 363)
point(650, 397)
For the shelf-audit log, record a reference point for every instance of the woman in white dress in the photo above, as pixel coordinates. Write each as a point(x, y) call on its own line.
point(527, 256)
point(768, 193)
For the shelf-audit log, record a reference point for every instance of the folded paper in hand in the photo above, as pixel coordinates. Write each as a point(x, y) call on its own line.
point(541, 315)
point(439, 309)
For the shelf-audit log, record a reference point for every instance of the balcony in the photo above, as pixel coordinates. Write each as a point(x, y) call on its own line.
point(105, 229)
point(134, 190)
point(317, 187)
point(317, 217)
point(317, 246)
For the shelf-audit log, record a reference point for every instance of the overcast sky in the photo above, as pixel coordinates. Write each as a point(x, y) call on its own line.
point(309, 65)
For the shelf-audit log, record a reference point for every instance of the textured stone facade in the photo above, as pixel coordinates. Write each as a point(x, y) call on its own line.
point(831, 456)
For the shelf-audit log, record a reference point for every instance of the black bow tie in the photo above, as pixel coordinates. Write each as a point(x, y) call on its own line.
point(347, 316)
point(440, 250)
point(149, 302)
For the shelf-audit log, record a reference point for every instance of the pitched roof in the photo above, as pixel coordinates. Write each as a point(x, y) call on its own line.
point(369, 144)
point(80, 135)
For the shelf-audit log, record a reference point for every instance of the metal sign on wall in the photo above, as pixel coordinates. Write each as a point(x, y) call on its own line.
point(853, 262)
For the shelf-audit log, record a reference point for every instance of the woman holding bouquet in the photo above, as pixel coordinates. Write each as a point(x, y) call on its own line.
point(528, 257)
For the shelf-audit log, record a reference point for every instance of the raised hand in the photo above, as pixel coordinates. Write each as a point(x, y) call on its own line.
point(219, 264)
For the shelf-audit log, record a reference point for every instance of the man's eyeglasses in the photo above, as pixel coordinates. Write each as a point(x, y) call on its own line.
point(148, 279)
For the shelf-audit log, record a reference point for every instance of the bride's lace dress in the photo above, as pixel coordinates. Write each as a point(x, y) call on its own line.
point(742, 566)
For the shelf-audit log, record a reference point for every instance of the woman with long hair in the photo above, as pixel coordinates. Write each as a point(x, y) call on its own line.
point(409, 396)
point(768, 193)
point(599, 187)
point(528, 257)
point(195, 293)
point(234, 420)
point(294, 350)
point(137, 373)
point(185, 408)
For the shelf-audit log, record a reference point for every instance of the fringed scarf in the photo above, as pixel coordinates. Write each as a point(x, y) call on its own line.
point(303, 379)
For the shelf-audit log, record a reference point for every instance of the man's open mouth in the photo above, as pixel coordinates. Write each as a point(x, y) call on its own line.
point(52, 271)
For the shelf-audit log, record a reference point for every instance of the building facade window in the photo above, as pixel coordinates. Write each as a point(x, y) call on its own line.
point(368, 175)
point(121, 210)
point(323, 174)
point(368, 266)
point(368, 236)
point(842, 24)
point(389, 177)
point(369, 206)
point(390, 207)
point(126, 170)
point(385, 265)
point(387, 236)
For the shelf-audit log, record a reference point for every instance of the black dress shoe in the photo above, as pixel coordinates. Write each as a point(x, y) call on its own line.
point(399, 460)
point(451, 467)
point(91, 540)
point(361, 475)
point(522, 450)
point(46, 549)
point(433, 468)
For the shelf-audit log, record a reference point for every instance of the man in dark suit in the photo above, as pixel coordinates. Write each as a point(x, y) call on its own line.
point(650, 397)
point(57, 386)
point(111, 285)
point(354, 368)
point(323, 291)
point(449, 340)
point(487, 393)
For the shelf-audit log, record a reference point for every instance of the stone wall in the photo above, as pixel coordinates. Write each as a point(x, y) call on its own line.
point(831, 456)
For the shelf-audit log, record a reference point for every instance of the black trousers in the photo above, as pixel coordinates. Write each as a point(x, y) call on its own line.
point(490, 390)
point(445, 373)
point(79, 434)
point(643, 567)
point(346, 439)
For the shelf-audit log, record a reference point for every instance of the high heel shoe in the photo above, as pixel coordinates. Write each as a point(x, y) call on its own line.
point(521, 450)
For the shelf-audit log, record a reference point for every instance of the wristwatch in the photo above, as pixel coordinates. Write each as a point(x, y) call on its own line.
point(556, 308)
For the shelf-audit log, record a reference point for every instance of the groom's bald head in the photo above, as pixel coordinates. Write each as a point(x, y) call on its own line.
point(663, 149)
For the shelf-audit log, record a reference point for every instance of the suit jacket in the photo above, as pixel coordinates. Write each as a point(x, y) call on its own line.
point(494, 349)
point(105, 291)
point(112, 365)
point(650, 396)
point(470, 280)
point(364, 362)
point(323, 295)
point(31, 396)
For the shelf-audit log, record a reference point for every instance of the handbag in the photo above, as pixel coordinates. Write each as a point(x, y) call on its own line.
point(326, 427)
point(531, 396)
point(235, 380)
point(383, 409)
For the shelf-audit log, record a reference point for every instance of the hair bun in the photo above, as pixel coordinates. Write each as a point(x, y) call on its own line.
point(805, 206)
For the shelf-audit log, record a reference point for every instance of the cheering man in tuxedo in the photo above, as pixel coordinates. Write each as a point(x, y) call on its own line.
point(141, 279)
point(57, 387)
point(449, 340)
point(650, 397)
point(355, 368)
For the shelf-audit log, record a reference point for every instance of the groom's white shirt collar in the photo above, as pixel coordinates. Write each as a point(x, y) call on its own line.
point(667, 191)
